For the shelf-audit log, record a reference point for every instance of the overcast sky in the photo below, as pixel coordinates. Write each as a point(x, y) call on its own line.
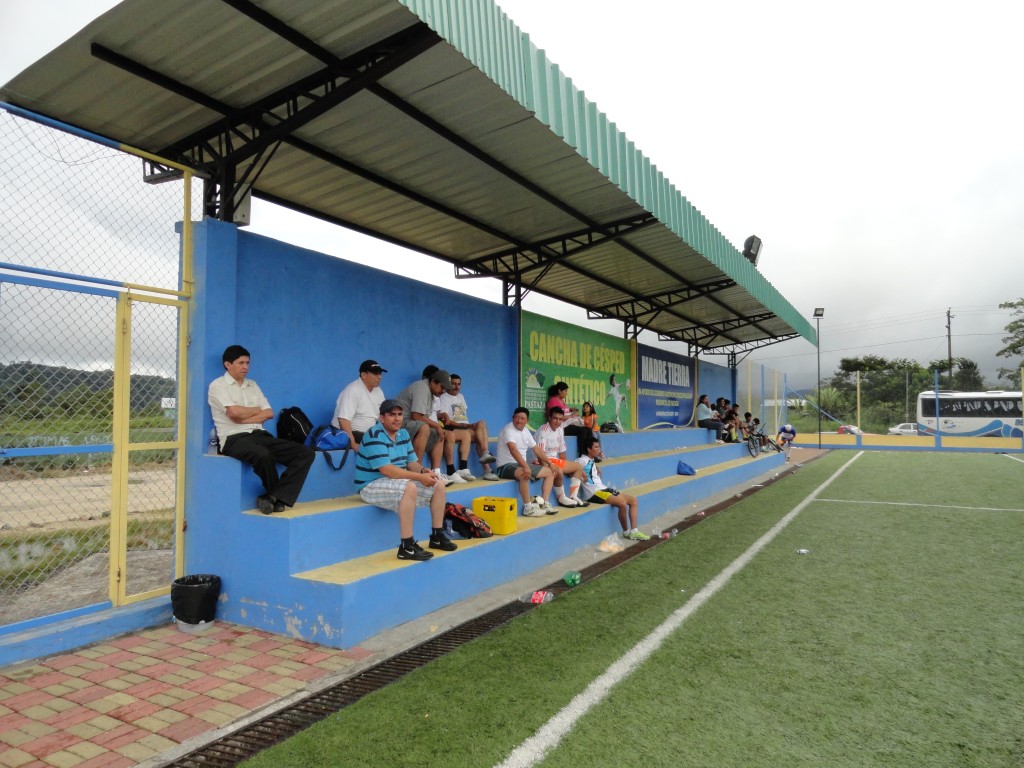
point(875, 148)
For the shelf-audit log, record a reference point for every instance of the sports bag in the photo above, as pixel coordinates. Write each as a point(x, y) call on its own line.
point(293, 424)
point(327, 438)
point(465, 523)
point(610, 426)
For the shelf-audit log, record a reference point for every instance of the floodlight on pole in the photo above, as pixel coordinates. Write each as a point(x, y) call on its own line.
point(819, 312)
point(752, 249)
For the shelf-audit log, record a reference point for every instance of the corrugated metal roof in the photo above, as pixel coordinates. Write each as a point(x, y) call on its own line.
point(472, 147)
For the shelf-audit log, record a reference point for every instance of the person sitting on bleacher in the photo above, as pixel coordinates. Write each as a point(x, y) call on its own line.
point(452, 412)
point(706, 418)
point(550, 449)
point(514, 442)
point(389, 475)
point(595, 490)
point(239, 410)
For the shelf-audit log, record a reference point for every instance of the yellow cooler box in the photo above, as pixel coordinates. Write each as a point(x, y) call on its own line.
point(500, 514)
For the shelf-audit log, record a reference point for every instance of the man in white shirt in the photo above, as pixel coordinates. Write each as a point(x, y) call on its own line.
point(239, 410)
point(452, 412)
point(359, 403)
point(514, 442)
point(550, 449)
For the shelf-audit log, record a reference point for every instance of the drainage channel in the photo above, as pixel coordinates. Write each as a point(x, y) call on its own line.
point(247, 741)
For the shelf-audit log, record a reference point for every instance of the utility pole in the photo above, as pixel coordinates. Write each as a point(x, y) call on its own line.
point(949, 343)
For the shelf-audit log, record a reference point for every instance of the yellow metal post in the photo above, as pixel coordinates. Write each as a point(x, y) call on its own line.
point(119, 475)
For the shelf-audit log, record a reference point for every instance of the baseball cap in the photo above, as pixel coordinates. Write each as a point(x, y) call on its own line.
point(371, 366)
point(389, 405)
point(442, 378)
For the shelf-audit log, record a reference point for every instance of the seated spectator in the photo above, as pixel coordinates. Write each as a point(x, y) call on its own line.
point(594, 488)
point(550, 451)
point(591, 426)
point(419, 408)
point(556, 396)
point(389, 475)
point(239, 410)
point(730, 425)
point(357, 407)
point(452, 412)
point(514, 442)
point(747, 425)
point(706, 418)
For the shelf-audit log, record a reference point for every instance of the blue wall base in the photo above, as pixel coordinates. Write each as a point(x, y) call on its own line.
point(65, 635)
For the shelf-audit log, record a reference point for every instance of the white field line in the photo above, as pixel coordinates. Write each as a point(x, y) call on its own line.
point(929, 506)
point(533, 750)
point(1012, 457)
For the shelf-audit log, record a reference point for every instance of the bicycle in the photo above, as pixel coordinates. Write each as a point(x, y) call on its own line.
point(758, 442)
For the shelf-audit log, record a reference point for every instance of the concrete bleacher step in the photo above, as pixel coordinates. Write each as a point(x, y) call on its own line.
point(326, 570)
point(367, 594)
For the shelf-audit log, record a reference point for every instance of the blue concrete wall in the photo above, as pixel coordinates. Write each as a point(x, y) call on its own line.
point(715, 381)
point(308, 320)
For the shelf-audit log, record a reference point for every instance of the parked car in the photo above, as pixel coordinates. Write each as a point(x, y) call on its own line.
point(908, 428)
point(849, 429)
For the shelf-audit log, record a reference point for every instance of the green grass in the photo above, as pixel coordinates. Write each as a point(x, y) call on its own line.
point(895, 642)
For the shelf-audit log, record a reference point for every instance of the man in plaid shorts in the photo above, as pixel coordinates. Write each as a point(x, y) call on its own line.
point(388, 475)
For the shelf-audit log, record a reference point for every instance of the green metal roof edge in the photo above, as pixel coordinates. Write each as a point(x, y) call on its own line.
point(488, 38)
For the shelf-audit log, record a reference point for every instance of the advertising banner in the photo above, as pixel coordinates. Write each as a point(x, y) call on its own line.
point(664, 396)
point(596, 366)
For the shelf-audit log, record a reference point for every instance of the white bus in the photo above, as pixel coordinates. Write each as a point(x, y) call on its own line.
point(970, 414)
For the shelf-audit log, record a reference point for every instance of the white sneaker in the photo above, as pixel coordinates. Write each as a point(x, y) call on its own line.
point(487, 458)
point(532, 510)
point(466, 475)
point(456, 478)
point(491, 476)
point(566, 501)
point(548, 509)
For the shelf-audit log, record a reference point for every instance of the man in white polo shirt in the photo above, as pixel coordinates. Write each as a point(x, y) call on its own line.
point(358, 404)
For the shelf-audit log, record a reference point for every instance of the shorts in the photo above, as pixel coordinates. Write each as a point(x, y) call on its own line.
point(560, 463)
point(387, 493)
point(508, 471)
point(787, 438)
point(601, 497)
point(413, 427)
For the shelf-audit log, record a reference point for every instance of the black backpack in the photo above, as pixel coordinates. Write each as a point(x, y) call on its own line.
point(465, 523)
point(293, 424)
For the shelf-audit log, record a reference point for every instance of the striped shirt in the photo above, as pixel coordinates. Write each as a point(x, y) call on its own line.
point(378, 449)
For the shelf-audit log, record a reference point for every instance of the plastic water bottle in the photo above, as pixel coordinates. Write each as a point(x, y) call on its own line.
point(673, 532)
point(212, 446)
point(540, 596)
point(572, 578)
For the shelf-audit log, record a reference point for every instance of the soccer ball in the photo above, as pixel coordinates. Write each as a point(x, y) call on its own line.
point(538, 500)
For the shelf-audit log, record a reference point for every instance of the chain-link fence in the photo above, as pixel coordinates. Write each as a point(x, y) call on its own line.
point(82, 235)
point(762, 391)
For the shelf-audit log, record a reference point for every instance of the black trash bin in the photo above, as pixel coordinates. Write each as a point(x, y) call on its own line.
point(194, 598)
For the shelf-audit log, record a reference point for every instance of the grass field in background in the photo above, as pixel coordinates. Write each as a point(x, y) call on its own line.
point(896, 640)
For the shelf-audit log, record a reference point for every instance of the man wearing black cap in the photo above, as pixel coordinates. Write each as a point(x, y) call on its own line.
point(388, 475)
point(359, 403)
point(239, 411)
point(418, 402)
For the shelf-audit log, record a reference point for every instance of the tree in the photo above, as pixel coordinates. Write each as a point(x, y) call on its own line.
point(1014, 341)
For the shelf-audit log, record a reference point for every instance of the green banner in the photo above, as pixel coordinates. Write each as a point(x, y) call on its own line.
point(597, 367)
